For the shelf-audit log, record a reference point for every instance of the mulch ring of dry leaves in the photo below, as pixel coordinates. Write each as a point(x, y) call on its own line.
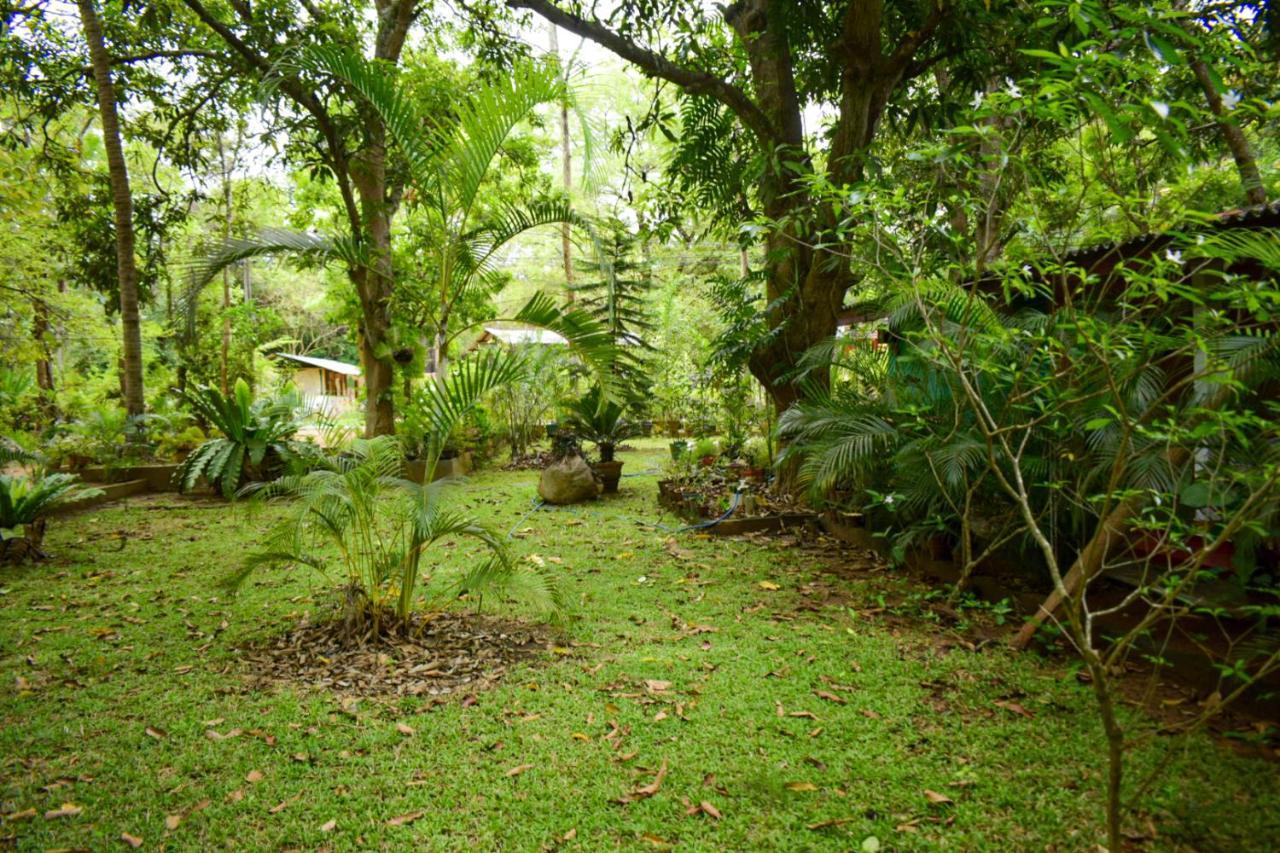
point(442, 654)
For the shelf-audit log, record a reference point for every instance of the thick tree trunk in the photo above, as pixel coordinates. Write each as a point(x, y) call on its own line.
point(373, 286)
point(122, 201)
point(805, 285)
point(40, 331)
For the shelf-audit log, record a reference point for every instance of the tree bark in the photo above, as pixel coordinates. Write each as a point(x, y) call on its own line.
point(566, 174)
point(1255, 191)
point(122, 202)
point(40, 331)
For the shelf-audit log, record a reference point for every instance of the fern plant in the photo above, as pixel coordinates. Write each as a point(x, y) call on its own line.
point(25, 502)
point(256, 439)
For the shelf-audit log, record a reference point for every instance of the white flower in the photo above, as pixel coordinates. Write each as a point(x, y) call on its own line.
point(888, 499)
point(1173, 255)
point(1161, 108)
point(1013, 90)
point(1026, 270)
point(978, 95)
point(1231, 99)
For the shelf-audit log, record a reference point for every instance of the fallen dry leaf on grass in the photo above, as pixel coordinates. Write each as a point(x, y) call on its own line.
point(404, 729)
point(646, 791)
point(656, 686)
point(703, 807)
point(826, 824)
point(157, 733)
point(214, 735)
point(1014, 708)
point(172, 822)
point(801, 786)
point(283, 804)
point(830, 697)
point(25, 814)
point(769, 586)
point(401, 820)
point(936, 798)
point(253, 777)
point(131, 840)
point(329, 827)
point(65, 810)
point(518, 769)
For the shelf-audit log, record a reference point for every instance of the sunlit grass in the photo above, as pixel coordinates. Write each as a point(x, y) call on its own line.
point(124, 631)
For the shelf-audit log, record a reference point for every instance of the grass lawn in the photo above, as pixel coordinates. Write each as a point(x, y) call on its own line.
point(751, 672)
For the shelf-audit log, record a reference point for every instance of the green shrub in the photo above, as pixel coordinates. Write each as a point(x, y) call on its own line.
point(256, 440)
point(380, 526)
point(24, 504)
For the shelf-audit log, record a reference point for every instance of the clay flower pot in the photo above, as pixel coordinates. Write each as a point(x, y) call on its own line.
point(609, 473)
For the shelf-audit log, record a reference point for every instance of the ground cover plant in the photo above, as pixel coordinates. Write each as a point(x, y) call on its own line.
point(706, 694)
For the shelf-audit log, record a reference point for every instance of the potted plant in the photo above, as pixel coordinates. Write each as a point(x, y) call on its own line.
point(755, 453)
point(705, 451)
point(599, 420)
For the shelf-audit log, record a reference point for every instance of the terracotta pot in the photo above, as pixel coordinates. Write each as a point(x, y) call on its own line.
point(609, 473)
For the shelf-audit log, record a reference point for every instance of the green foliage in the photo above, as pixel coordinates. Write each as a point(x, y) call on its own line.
point(382, 526)
point(24, 499)
point(256, 438)
point(598, 419)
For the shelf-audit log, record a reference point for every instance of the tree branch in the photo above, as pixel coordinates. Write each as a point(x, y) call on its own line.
point(911, 42)
point(656, 65)
point(301, 95)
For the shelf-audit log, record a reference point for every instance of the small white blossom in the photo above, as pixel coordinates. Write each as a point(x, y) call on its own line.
point(1173, 255)
point(1161, 108)
point(1231, 99)
point(888, 499)
point(1026, 270)
point(1013, 90)
point(978, 96)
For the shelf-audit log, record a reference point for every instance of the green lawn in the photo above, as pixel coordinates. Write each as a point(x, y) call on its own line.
point(124, 631)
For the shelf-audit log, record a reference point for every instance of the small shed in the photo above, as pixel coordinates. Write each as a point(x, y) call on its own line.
point(326, 385)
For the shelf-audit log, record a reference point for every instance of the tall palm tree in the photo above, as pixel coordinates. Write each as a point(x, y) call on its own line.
point(122, 201)
point(449, 160)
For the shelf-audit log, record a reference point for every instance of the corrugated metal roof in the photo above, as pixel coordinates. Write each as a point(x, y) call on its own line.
point(525, 335)
point(1258, 216)
point(322, 363)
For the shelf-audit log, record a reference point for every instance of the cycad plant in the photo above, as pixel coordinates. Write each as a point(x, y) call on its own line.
point(24, 504)
point(357, 511)
point(256, 438)
point(597, 418)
